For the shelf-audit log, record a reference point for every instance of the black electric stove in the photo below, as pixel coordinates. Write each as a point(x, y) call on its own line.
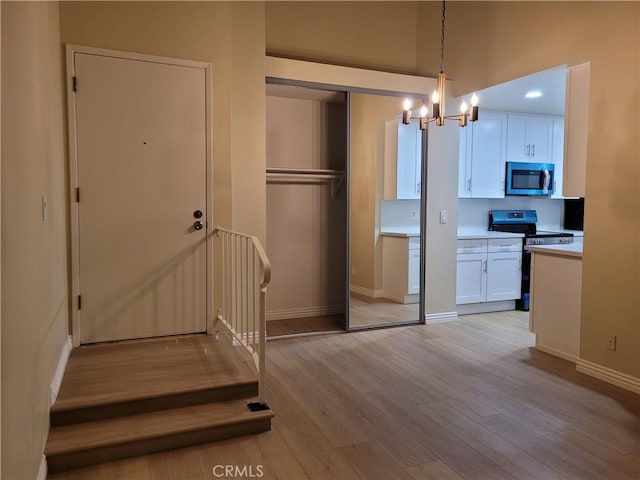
point(524, 222)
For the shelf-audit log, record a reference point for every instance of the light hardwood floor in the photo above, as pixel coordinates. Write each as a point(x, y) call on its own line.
point(365, 312)
point(469, 399)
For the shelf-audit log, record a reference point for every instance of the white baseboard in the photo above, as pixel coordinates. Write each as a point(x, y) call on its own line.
point(42, 471)
point(58, 375)
point(486, 307)
point(393, 298)
point(305, 312)
point(411, 298)
point(609, 375)
point(443, 317)
point(557, 353)
point(367, 292)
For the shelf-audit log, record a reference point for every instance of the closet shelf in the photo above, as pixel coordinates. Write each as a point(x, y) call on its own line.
point(307, 176)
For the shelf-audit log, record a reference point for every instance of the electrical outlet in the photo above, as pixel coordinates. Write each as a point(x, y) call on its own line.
point(415, 213)
point(611, 342)
point(444, 216)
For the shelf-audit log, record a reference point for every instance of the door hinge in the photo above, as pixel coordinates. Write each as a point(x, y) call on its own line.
point(79, 302)
point(77, 194)
point(75, 83)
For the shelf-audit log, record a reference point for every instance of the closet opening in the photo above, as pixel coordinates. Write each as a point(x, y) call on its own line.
point(306, 209)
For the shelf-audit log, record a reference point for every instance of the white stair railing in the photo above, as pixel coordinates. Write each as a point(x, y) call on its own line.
point(246, 273)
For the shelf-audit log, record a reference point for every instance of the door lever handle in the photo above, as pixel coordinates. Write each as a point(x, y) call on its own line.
point(197, 225)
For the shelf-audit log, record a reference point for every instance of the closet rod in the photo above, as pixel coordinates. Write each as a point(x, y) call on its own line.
point(306, 171)
point(300, 176)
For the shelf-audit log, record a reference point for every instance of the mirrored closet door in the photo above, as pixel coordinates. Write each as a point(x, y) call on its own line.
point(386, 269)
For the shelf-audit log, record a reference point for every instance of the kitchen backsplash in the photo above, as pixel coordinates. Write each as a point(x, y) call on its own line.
point(398, 214)
point(473, 212)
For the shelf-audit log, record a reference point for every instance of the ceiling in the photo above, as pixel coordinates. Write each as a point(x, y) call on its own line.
point(509, 96)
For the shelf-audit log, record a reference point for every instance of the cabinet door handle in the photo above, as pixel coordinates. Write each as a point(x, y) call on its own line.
point(528, 150)
point(484, 269)
point(418, 188)
point(469, 185)
point(533, 150)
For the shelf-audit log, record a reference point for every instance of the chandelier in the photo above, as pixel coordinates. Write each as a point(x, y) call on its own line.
point(438, 96)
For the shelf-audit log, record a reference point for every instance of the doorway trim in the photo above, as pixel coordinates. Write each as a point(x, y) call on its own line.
point(353, 80)
point(74, 293)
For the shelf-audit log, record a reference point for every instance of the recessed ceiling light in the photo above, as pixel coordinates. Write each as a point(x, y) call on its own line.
point(533, 94)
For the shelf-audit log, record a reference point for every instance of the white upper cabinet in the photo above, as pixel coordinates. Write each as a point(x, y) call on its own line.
point(409, 160)
point(403, 160)
point(483, 156)
point(529, 138)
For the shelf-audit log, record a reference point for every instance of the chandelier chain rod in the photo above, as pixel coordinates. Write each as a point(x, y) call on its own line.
point(442, 39)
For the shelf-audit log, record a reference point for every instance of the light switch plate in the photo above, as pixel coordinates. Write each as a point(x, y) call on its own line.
point(444, 216)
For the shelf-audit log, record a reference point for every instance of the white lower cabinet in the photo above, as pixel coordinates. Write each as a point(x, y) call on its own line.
point(471, 278)
point(504, 276)
point(414, 267)
point(488, 270)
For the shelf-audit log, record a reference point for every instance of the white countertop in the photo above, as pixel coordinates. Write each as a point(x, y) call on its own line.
point(566, 250)
point(401, 232)
point(546, 228)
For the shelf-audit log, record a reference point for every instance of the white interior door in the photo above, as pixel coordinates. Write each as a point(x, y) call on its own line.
point(141, 168)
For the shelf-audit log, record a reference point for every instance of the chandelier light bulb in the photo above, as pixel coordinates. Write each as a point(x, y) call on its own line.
point(435, 98)
point(463, 107)
point(406, 115)
point(423, 111)
point(474, 100)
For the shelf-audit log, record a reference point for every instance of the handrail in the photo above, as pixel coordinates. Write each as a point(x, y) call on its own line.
point(246, 273)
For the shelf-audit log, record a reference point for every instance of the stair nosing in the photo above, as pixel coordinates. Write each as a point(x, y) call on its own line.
point(242, 417)
point(66, 405)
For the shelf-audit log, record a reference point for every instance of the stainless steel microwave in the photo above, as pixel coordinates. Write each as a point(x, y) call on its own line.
point(532, 179)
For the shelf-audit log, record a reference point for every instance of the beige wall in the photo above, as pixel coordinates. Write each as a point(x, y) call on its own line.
point(490, 43)
point(375, 35)
point(306, 227)
point(229, 35)
point(34, 252)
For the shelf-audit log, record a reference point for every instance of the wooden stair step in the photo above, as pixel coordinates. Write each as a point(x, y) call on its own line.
point(125, 378)
point(68, 411)
point(72, 446)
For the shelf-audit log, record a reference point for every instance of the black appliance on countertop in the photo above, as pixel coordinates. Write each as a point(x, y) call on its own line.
point(524, 221)
point(574, 213)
